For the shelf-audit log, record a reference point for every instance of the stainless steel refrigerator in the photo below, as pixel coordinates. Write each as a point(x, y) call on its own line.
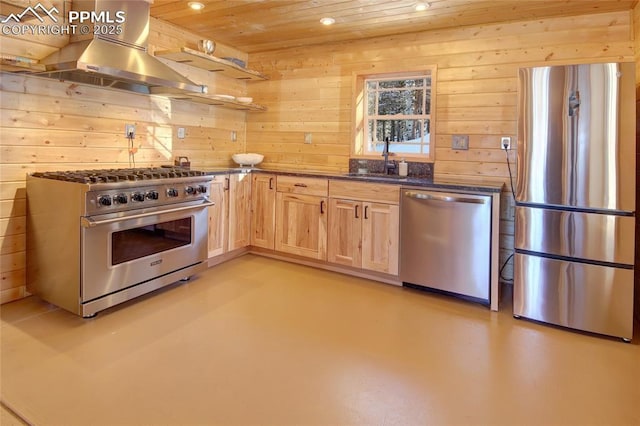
point(575, 197)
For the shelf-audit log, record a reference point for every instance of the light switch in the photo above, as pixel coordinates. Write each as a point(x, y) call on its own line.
point(181, 133)
point(308, 138)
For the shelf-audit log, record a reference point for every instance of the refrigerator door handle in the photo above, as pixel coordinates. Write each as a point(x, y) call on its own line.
point(574, 103)
point(448, 199)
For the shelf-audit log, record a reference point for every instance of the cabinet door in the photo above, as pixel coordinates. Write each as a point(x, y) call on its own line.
point(345, 232)
point(239, 210)
point(263, 210)
point(218, 217)
point(380, 237)
point(301, 225)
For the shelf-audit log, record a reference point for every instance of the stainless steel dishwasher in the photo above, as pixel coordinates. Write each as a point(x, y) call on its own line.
point(445, 242)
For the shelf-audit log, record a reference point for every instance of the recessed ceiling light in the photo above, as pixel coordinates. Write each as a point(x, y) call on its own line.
point(419, 7)
point(196, 5)
point(328, 21)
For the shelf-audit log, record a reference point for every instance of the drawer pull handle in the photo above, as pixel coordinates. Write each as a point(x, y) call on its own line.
point(357, 211)
point(270, 183)
point(366, 212)
point(322, 207)
point(301, 185)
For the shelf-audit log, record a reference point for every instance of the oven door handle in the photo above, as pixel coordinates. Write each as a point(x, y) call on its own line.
point(88, 222)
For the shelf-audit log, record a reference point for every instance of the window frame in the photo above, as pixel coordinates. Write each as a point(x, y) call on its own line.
point(360, 128)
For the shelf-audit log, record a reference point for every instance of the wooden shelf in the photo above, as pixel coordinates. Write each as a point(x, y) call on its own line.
point(226, 103)
point(215, 100)
point(17, 64)
point(210, 63)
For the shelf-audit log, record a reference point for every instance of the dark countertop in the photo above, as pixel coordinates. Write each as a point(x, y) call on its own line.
point(453, 184)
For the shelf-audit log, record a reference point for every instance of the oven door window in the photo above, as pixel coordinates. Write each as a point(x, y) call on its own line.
point(136, 243)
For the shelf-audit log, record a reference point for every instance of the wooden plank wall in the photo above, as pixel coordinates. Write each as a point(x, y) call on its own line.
point(50, 125)
point(310, 90)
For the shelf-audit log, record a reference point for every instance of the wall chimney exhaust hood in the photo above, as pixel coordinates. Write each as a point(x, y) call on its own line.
point(119, 61)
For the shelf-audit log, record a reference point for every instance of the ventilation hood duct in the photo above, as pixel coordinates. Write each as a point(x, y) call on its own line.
point(121, 60)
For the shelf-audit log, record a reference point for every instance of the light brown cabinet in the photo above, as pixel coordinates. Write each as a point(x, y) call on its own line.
point(263, 210)
point(345, 228)
point(239, 210)
point(301, 216)
point(348, 223)
point(229, 218)
point(218, 215)
point(381, 237)
point(364, 226)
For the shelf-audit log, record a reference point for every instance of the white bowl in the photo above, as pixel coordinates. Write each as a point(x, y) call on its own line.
point(248, 159)
point(244, 99)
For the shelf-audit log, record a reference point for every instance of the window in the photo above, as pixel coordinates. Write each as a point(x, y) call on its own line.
point(395, 107)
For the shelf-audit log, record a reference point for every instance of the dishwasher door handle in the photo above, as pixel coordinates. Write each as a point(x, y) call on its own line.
point(445, 198)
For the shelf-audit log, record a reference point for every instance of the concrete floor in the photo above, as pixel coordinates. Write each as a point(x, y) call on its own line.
point(259, 341)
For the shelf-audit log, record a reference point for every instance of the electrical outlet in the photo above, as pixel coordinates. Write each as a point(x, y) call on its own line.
point(308, 138)
point(129, 130)
point(234, 136)
point(505, 142)
point(181, 133)
point(460, 142)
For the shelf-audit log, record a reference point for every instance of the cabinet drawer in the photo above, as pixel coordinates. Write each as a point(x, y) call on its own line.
point(364, 191)
point(303, 185)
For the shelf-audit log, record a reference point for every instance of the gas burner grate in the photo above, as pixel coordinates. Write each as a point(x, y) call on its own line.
point(119, 175)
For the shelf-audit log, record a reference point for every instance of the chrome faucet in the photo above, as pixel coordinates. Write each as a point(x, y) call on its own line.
point(389, 166)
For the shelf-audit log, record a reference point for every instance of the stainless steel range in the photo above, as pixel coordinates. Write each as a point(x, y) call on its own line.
point(96, 238)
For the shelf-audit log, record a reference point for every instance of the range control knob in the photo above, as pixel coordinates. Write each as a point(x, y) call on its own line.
point(202, 189)
point(120, 199)
point(137, 196)
point(104, 200)
point(190, 190)
point(152, 195)
point(172, 192)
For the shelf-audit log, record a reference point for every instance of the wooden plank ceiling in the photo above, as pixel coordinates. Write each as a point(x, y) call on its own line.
point(257, 26)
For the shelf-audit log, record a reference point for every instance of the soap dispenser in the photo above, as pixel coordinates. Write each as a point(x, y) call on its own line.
point(403, 168)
